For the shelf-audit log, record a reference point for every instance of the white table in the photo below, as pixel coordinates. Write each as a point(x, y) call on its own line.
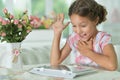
point(6, 74)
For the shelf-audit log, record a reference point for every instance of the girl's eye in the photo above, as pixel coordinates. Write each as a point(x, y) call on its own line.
point(83, 25)
point(73, 26)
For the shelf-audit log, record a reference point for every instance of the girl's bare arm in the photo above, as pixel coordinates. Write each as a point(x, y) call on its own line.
point(57, 54)
point(107, 59)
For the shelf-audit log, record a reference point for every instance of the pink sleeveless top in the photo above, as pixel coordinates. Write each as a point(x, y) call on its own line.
point(102, 39)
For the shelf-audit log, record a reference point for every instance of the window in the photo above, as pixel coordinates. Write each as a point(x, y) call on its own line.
point(38, 7)
point(111, 25)
point(48, 7)
point(1, 7)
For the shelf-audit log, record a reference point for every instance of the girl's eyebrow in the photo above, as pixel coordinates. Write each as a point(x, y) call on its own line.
point(83, 22)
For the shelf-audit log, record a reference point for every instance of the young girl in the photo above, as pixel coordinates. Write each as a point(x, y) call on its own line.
point(90, 46)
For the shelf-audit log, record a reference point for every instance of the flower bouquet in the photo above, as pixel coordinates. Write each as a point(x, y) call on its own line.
point(14, 30)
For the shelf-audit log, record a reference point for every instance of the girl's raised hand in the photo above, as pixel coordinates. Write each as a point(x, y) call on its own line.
point(58, 25)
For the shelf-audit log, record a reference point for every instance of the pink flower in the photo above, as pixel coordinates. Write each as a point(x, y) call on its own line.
point(31, 17)
point(19, 26)
point(4, 22)
point(16, 21)
point(8, 22)
point(24, 22)
point(11, 16)
point(32, 23)
point(3, 34)
point(1, 20)
point(5, 10)
point(35, 21)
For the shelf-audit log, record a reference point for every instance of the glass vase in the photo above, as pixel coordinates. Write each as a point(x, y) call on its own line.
point(16, 57)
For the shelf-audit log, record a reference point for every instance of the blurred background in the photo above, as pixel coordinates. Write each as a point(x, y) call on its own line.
point(46, 10)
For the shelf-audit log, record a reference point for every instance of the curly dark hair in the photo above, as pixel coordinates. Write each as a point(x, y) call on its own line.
point(88, 8)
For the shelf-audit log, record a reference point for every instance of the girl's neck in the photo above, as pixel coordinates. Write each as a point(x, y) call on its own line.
point(94, 36)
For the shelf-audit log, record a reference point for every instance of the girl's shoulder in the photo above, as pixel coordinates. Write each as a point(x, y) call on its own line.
point(102, 39)
point(102, 35)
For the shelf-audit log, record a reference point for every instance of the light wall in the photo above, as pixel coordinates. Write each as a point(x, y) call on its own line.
point(112, 24)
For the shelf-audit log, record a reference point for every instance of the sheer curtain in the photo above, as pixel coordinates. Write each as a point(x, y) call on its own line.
point(49, 7)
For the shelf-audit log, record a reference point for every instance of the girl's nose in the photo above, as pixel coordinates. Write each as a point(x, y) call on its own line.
point(78, 30)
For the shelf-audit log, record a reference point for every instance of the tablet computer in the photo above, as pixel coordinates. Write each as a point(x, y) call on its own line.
point(65, 71)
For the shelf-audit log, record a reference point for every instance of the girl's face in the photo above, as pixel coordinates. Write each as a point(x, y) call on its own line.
point(84, 27)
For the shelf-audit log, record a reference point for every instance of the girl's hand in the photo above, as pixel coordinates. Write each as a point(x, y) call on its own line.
point(84, 47)
point(58, 25)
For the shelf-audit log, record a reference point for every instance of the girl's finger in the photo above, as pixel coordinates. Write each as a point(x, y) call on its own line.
point(62, 17)
point(80, 43)
point(85, 43)
point(58, 17)
point(90, 41)
point(67, 24)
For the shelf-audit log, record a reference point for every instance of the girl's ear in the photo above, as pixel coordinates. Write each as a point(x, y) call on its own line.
point(96, 20)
